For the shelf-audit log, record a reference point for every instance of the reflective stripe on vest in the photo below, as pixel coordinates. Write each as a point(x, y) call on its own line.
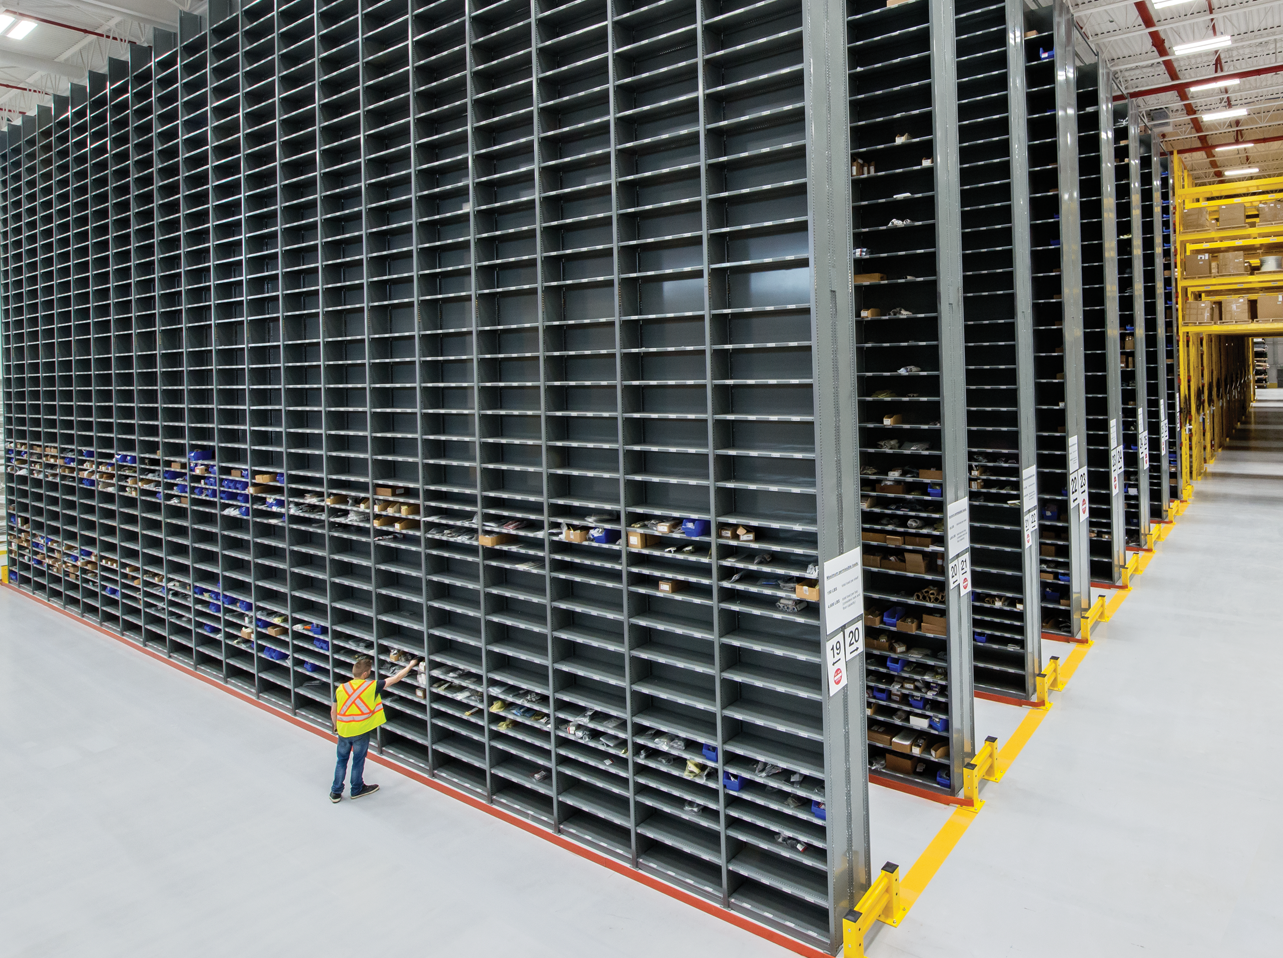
point(360, 709)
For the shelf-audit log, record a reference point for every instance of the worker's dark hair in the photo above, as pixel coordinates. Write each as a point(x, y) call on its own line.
point(362, 666)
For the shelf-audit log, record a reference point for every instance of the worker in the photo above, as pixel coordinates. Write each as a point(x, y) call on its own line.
point(356, 712)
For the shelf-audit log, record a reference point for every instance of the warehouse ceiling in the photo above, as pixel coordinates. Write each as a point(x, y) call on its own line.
point(48, 44)
point(1142, 39)
point(1239, 50)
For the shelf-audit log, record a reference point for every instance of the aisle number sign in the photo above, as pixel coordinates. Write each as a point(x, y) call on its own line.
point(843, 615)
point(1029, 504)
point(959, 545)
point(840, 650)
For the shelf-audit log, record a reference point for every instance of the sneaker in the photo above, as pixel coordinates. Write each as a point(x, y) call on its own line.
point(336, 797)
point(366, 790)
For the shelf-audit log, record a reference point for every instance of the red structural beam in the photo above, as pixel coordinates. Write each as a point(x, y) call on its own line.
point(68, 26)
point(1255, 141)
point(24, 89)
point(1160, 47)
point(1186, 84)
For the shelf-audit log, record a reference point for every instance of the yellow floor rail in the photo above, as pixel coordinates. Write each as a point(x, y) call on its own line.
point(880, 903)
point(1048, 680)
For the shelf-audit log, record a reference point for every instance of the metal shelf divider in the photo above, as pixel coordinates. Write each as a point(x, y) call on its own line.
point(1154, 423)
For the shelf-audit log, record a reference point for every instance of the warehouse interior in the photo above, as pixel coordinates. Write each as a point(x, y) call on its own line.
point(780, 558)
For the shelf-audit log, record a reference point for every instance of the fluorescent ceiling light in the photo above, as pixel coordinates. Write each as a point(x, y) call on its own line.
point(1233, 146)
point(1243, 171)
point(21, 30)
point(5, 20)
point(1213, 86)
point(1225, 114)
point(1198, 46)
point(1159, 4)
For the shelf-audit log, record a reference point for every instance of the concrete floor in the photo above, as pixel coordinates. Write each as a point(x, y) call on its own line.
point(147, 813)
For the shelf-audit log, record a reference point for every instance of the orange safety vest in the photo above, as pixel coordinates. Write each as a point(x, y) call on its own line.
point(360, 709)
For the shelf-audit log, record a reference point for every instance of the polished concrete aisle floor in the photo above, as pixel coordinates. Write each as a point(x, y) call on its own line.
point(1143, 816)
point(149, 814)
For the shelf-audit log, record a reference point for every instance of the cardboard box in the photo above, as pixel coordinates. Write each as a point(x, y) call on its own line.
point(745, 534)
point(406, 523)
point(937, 474)
point(907, 624)
point(1129, 342)
point(267, 477)
point(903, 741)
point(383, 522)
point(1195, 219)
point(809, 591)
point(869, 278)
point(669, 525)
point(872, 560)
point(1236, 309)
point(726, 532)
point(915, 562)
point(1269, 213)
point(575, 535)
point(1232, 263)
point(276, 630)
point(408, 509)
point(867, 536)
point(870, 313)
point(935, 625)
point(894, 540)
point(1233, 216)
point(639, 540)
point(336, 500)
point(895, 419)
point(493, 540)
point(922, 542)
point(894, 563)
point(1198, 264)
point(1197, 313)
point(879, 643)
point(388, 491)
point(671, 585)
point(900, 764)
point(1269, 307)
point(890, 488)
point(940, 750)
point(1046, 550)
point(880, 735)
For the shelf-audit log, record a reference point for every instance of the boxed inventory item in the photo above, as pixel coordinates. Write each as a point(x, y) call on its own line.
point(1198, 312)
point(672, 585)
point(904, 741)
point(1269, 213)
point(1195, 219)
point(1236, 309)
point(1233, 216)
point(1232, 263)
point(869, 278)
point(809, 590)
point(639, 540)
point(880, 735)
point(494, 539)
point(1198, 264)
point(934, 624)
point(900, 764)
point(1269, 307)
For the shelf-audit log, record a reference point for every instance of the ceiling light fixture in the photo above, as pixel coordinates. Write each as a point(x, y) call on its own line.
point(1198, 46)
point(1217, 84)
point(21, 30)
point(1233, 146)
point(1159, 4)
point(1225, 114)
point(5, 20)
point(1243, 171)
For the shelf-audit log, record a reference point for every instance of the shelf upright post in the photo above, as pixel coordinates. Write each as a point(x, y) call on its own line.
point(1071, 271)
point(1140, 372)
point(837, 458)
point(1156, 354)
point(1170, 360)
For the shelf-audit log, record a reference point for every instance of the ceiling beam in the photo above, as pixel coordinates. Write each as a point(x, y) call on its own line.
point(137, 16)
point(68, 26)
point(72, 72)
point(1255, 141)
point(1160, 47)
point(1186, 84)
point(1128, 34)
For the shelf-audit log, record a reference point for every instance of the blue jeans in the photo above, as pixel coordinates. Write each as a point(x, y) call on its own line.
point(356, 746)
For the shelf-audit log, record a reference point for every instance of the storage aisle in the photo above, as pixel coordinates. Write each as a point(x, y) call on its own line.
point(158, 815)
point(1142, 818)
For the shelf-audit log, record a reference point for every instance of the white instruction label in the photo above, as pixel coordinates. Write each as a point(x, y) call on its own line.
point(1115, 467)
point(960, 573)
point(835, 660)
point(1073, 454)
point(1113, 433)
point(1144, 449)
point(1029, 488)
point(1081, 477)
point(843, 589)
point(1031, 526)
point(959, 526)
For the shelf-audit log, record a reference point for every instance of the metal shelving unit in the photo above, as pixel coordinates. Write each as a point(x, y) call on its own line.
point(998, 310)
point(911, 383)
point(517, 336)
point(1101, 341)
point(1171, 318)
point(1132, 323)
point(1154, 445)
point(1051, 76)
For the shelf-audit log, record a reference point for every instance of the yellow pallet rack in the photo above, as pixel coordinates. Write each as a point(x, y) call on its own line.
point(1216, 378)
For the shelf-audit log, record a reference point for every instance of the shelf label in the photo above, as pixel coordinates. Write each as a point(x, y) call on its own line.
point(835, 660)
point(1078, 493)
point(1029, 487)
point(843, 589)
point(1073, 454)
point(959, 526)
point(1115, 467)
point(853, 638)
point(1031, 526)
point(960, 573)
point(1113, 433)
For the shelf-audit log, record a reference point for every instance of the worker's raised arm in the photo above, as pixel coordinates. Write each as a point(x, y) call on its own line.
point(400, 675)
